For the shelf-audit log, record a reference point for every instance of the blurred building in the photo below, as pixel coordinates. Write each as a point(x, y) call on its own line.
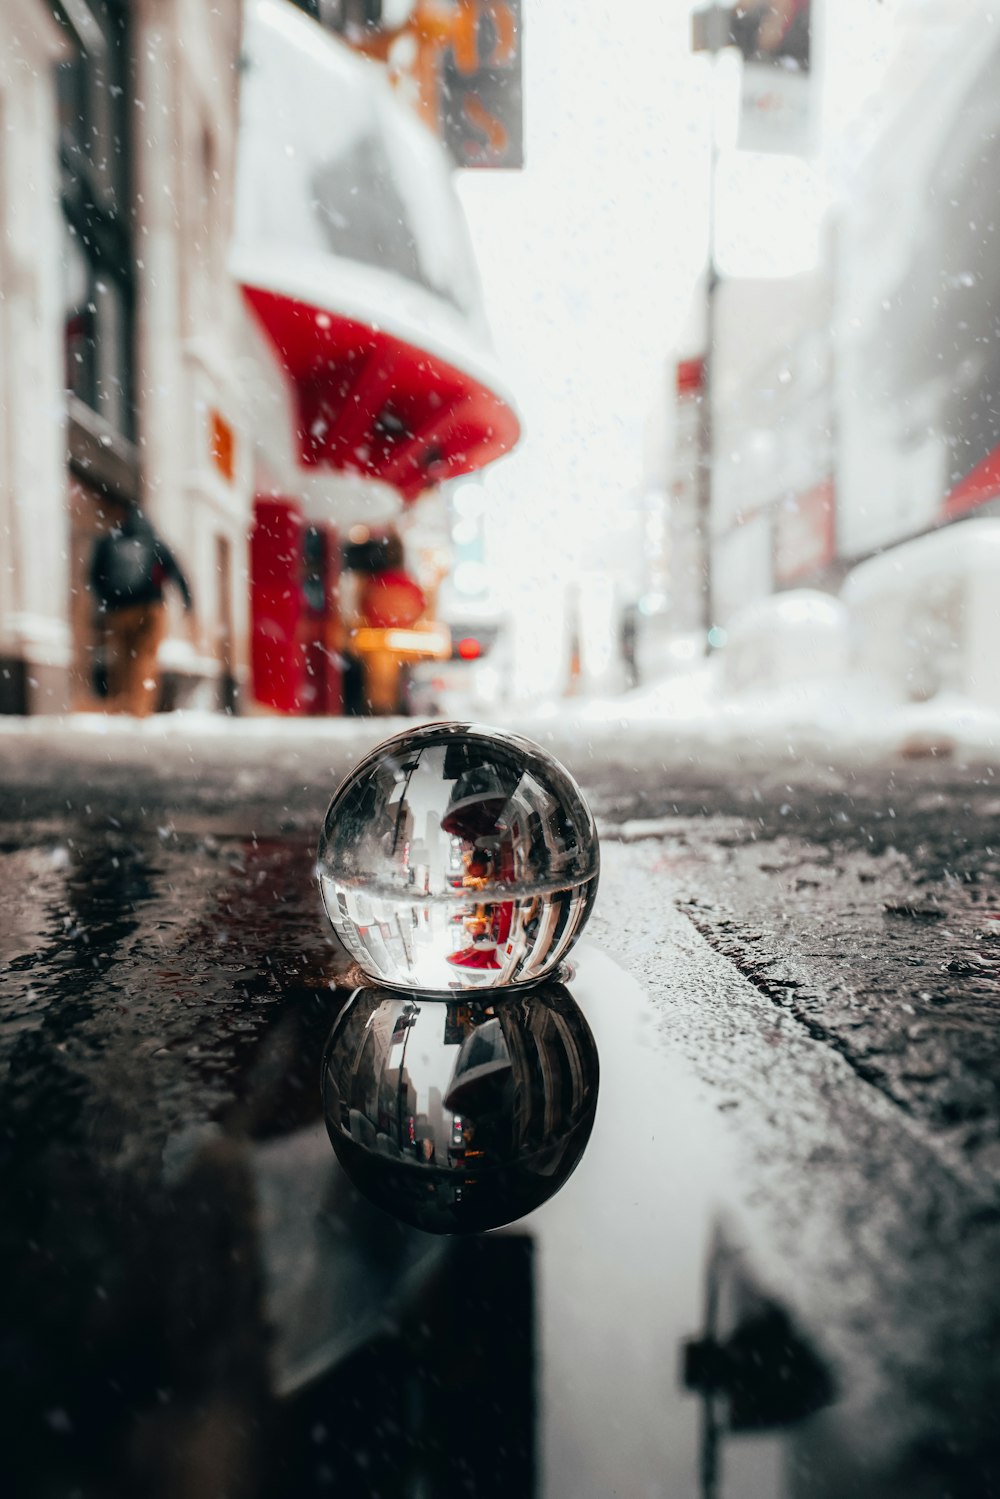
point(917, 290)
point(120, 330)
point(237, 290)
point(854, 405)
point(772, 521)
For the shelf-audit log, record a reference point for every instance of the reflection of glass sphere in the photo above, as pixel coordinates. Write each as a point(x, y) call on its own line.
point(457, 1116)
point(458, 858)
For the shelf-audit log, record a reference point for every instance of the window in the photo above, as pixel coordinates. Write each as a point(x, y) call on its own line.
point(343, 15)
point(94, 94)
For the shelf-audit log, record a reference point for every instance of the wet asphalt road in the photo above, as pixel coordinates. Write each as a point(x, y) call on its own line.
point(811, 1060)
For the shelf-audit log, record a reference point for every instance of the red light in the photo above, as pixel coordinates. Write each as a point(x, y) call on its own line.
point(469, 648)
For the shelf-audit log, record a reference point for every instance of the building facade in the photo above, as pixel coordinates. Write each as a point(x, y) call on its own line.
point(854, 404)
point(121, 332)
point(35, 646)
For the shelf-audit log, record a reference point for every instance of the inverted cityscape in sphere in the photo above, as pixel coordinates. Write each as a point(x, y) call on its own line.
point(455, 857)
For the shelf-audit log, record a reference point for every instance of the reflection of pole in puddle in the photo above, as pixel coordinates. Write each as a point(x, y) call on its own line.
point(709, 1455)
point(753, 1368)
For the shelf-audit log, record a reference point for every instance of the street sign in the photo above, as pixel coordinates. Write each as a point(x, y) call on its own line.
point(774, 38)
point(481, 95)
point(775, 33)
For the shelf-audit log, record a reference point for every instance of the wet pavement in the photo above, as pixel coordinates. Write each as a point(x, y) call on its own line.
point(772, 1271)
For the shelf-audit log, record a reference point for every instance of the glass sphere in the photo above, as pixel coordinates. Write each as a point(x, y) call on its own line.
point(456, 857)
point(458, 1116)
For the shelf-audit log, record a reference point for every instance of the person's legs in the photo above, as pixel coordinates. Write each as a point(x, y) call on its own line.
point(144, 642)
point(98, 663)
point(117, 626)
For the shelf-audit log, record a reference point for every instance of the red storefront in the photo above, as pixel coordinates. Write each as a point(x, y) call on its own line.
point(353, 257)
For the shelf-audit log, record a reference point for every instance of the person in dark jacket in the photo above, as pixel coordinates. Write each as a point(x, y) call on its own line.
point(130, 566)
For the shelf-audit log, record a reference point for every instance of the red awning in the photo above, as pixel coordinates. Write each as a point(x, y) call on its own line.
point(351, 247)
point(369, 402)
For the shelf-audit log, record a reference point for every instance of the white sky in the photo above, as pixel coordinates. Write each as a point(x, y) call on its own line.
point(588, 259)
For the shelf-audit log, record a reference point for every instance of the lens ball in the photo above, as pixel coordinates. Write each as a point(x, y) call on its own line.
point(457, 857)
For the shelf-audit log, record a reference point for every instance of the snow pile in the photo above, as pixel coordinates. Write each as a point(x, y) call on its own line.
point(685, 721)
point(807, 678)
point(692, 721)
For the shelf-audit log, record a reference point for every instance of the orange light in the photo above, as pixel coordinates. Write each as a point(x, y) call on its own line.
point(222, 444)
point(430, 642)
point(469, 648)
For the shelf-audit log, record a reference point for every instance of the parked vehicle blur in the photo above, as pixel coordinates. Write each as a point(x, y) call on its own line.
point(474, 679)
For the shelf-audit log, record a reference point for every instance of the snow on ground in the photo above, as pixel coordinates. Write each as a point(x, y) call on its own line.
point(691, 720)
point(682, 722)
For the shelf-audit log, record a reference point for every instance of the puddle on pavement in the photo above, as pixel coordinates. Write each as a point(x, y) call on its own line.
point(200, 1295)
point(613, 1340)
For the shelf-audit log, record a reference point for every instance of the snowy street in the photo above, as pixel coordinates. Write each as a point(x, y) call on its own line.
point(499, 749)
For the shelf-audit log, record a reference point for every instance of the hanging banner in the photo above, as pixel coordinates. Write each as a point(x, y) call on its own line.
point(774, 37)
point(481, 97)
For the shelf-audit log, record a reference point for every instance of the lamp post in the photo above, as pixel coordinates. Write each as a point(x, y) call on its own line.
point(711, 31)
